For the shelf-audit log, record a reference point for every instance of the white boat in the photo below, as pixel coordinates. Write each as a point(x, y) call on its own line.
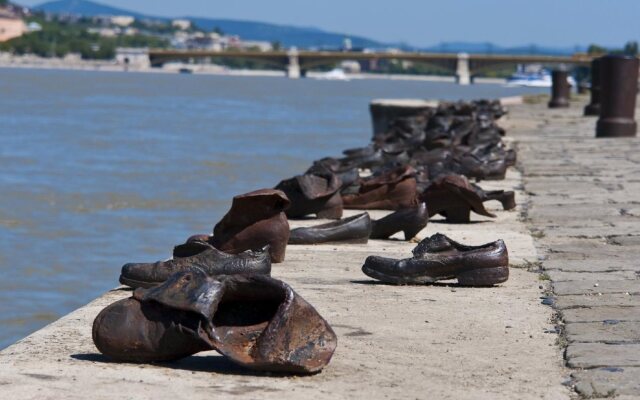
point(336, 74)
point(541, 78)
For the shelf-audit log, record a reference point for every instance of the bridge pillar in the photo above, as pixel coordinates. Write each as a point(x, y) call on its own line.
point(463, 75)
point(293, 68)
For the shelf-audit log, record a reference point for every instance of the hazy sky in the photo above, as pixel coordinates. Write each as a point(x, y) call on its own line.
point(425, 22)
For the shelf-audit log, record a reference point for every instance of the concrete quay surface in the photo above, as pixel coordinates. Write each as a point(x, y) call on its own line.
point(439, 341)
point(584, 213)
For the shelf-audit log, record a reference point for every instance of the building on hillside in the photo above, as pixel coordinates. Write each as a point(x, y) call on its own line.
point(133, 57)
point(182, 24)
point(122, 20)
point(34, 27)
point(11, 25)
point(258, 45)
point(105, 32)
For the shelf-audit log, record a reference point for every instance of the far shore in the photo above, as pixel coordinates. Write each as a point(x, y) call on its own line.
point(33, 62)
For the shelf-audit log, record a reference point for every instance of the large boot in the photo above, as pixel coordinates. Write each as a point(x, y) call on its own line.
point(256, 219)
point(454, 197)
point(390, 191)
point(315, 193)
point(257, 322)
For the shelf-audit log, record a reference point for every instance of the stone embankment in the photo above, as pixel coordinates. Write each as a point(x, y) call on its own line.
point(584, 213)
point(573, 242)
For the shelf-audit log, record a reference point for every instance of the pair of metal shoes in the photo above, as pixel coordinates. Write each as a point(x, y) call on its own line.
point(440, 258)
point(254, 320)
point(360, 228)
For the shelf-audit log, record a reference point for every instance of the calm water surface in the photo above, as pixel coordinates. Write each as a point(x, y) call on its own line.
point(99, 169)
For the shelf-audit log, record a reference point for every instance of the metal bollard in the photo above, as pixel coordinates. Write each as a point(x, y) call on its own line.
point(618, 91)
point(593, 108)
point(583, 87)
point(384, 112)
point(560, 90)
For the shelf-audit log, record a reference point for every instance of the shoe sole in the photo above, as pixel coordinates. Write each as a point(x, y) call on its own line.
point(350, 241)
point(476, 277)
point(132, 283)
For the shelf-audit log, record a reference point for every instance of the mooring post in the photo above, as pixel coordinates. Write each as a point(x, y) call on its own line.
point(463, 75)
point(593, 108)
point(293, 68)
point(618, 91)
point(561, 89)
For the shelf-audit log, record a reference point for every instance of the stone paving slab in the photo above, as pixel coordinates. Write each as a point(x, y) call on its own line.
point(610, 331)
point(601, 313)
point(598, 355)
point(597, 287)
point(564, 302)
point(608, 382)
point(557, 275)
point(584, 215)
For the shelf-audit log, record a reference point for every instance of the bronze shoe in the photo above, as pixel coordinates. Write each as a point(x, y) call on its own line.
point(255, 220)
point(438, 257)
point(389, 191)
point(354, 229)
point(313, 193)
point(454, 197)
point(408, 220)
point(255, 321)
point(211, 260)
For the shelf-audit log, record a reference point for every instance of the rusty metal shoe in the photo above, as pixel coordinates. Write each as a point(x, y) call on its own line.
point(208, 258)
point(454, 197)
point(408, 220)
point(263, 324)
point(393, 190)
point(146, 331)
point(506, 198)
point(313, 193)
point(354, 229)
point(438, 258)
point(256, 219)
point(256, 321)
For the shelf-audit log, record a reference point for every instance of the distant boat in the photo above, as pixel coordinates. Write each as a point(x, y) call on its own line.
point(185, 71)
point(336, 74)
point(541, 78)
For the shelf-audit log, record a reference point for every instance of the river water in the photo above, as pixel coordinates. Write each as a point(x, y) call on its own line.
point(98, 169)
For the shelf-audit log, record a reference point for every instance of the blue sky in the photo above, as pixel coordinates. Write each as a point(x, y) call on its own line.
point(560, 23)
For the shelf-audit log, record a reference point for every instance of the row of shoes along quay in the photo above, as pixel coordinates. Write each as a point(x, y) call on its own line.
point(427, 273)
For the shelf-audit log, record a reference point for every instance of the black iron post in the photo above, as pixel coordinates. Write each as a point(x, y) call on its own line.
point(560, 91)
point(619, 88)
point(593, 108)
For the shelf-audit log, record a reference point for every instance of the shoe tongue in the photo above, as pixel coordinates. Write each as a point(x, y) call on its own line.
point(434, 244)
point(191, 290)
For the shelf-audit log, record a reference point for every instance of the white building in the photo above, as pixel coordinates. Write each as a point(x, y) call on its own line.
point(122, 20)
point(133, 57)
point(182, 24)
point(254, 44)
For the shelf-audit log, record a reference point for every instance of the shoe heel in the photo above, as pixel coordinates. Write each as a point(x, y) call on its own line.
point(483, 276)
point(277, 252)
point(330, 213)
point(508, 201)
point(410, 234)
point(458, 215)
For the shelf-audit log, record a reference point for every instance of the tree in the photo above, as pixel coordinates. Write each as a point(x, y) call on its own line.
point(631, 48)
point(276, 45)
point(594, 49)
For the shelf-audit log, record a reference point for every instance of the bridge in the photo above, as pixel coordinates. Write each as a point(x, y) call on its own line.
point(464, 66)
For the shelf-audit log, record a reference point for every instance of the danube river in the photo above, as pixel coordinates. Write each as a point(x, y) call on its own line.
point(98, 169)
